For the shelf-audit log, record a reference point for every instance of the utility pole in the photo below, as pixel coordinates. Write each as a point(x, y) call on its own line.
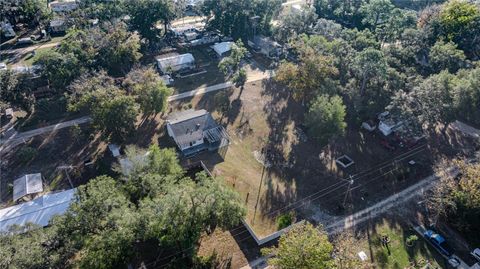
point(349, 191)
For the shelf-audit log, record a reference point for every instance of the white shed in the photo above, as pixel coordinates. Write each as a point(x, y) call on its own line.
point(222, 48)
point(38, 211)
point(176, 63)
point(27, 184)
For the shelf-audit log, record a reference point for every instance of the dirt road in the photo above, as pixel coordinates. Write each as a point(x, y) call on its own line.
point(18, 138)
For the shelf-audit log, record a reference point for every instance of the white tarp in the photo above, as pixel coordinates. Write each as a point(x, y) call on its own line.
point(175, 63)
point(38, 211)
point(222, 48)
point(28, 184)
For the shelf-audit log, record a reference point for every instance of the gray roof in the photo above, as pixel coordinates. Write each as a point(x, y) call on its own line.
point(27, 184)
point(188, 126)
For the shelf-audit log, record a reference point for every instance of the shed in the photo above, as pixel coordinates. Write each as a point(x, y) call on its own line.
point(221, 49)
point(38, 211)
point(175, 63)
point(27, 184)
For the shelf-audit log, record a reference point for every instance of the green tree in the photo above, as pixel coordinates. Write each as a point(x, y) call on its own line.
point(239, 18)
point(116, 117)
point(312, 75)
point(457, 17)
point(466, 95)
point(302, 247)
point(60, 69)
point(376, 12)
point(231, 65)
point(189, 208)
point(145, 14)
point(368, 64)
point(446, 56)
point(15, 90)
point(151, 92)
point(120, 50)
point(293, 23)
point(326, 118)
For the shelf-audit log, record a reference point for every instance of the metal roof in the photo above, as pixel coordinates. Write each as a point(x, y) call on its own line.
point(176, 62)
point(221, 48)
point(27, 184)
point(38, 211)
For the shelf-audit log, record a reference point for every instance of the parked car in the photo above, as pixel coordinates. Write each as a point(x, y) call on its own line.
point(454, 262)
point(476, 253)
point(439, 242)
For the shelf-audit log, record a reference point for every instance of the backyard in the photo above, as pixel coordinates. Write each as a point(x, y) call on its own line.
point(277, 169)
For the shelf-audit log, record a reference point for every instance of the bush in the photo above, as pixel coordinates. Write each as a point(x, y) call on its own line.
point(411, 239)
point(284, 220)
point(26, 154)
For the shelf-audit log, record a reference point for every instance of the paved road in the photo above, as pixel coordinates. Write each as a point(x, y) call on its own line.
point(420, 230)
point(18, 138)
point(340, 224)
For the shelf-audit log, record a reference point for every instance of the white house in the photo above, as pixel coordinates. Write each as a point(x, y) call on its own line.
point(223, 48)
point(63, 5)
point(27, 184)
point(38, 211)
point(195, 130)
point(172, 64)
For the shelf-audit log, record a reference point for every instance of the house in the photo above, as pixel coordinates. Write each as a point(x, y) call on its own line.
point(63, 5)
point(57, 26)
point(265, 46)
point(172, 64)
point(223, 48)
point(195, 130)
point(39, 211)
point(26, 185)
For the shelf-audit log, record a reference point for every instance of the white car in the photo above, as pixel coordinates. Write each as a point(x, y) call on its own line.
point(454, 262)
point(476, 253)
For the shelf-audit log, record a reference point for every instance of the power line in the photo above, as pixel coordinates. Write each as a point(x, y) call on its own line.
point(310, 198)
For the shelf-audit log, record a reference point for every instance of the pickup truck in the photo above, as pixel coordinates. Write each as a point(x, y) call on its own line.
point(438, 242)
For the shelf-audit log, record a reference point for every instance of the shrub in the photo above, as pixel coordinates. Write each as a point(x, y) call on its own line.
point(284, 220)
point(26, 154)
point(411, 239)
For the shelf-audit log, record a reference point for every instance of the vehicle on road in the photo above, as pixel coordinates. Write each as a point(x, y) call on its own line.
point(454, 262)
point(438, 242)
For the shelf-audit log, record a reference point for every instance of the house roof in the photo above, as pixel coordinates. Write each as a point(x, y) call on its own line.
point(175, 61)
point(221, 48)
point(57, 22)
point(38, 211)
point(27, 184)
point(264, 42)
point(188, 126)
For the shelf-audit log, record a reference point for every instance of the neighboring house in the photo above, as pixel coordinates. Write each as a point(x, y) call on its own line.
point(265, 46)
point(207, 38)
point(26, 185)
point(177, 63)
point(38, 211)
point(223, 48)
point(63, 5)
point(195, 130)
point(58, 26)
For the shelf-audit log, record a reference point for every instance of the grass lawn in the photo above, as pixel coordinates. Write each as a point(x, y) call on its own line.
point(263, 118)
point(400, 255)
point(28, 59)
